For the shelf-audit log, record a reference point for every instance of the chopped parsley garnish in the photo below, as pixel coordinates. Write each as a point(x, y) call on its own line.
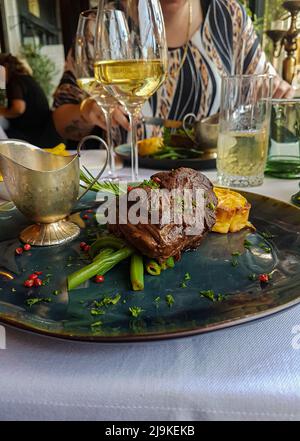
point(32, 302)
point(56, 293)
point(157, 301)
point(265, 248)
point(111, 301)
point(46, 281)
point(135, 311)
point(187, 277)
point(252, 277)
point(107, 301)
point(211, 206)
point(97, 312)
point(97, 306)
point(210, 295)
point(268, 235)
point(234, 262)
point(170, 300)
point(248, 244)
point(96, 325)
point(150, 183)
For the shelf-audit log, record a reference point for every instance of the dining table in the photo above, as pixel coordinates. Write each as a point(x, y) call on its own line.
point(245, 372)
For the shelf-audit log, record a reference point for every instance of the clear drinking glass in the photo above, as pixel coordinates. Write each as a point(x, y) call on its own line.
point(84, 66)
point(244, 129)
point(131, 56)
point(284, 150)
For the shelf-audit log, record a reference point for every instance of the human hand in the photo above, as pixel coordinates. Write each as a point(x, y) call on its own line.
point(92, 113)
point(282, 89)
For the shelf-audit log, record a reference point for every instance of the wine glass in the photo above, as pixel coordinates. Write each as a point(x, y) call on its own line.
point(84, 69)
point(131, 56)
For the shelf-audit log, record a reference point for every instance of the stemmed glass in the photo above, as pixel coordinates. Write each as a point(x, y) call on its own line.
point(84, 67)
point(131, 56)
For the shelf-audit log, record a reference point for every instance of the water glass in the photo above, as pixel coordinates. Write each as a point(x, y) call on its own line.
point(244, 129)
point(284, 149)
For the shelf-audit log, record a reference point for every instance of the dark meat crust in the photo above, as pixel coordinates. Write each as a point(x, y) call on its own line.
point(164, 241)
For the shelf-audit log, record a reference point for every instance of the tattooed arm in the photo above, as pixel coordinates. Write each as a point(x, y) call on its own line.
point(75, 115)
point(74, 121)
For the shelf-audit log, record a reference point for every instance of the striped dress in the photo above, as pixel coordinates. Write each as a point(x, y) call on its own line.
point(225, 43)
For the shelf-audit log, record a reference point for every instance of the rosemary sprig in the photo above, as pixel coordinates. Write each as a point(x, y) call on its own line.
point(105, 186)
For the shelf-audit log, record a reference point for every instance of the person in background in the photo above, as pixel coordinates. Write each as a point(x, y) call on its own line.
point(28, 111)
point(206, 39)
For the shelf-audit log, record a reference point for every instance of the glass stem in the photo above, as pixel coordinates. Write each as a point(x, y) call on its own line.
point(133, 116)
point(111, 159)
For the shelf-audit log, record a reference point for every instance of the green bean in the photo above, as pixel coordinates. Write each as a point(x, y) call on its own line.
point(137, 272)
point(153, 268)
point(170, 262)
point(104, 253)
point(100, 267)
point(163, 266)
point(106, 242)
point(167, 156)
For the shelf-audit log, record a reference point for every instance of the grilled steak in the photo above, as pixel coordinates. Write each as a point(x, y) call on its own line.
point(162, 240)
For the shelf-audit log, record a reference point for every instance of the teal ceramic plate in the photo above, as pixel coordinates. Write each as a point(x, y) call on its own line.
point(165, 164)
point(222, 264)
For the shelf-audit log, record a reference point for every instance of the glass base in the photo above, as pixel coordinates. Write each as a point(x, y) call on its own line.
point(117, 178)
point(283, 168)
point(240, 181)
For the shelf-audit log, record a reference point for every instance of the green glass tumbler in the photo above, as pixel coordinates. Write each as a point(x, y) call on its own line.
point(284, 149)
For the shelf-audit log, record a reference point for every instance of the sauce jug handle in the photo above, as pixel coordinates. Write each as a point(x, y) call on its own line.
point(185, 128)
point(80, 145)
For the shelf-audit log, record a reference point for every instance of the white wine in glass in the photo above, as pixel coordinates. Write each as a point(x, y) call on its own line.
point(85, 76)
point(131, 56)
point(131, 81)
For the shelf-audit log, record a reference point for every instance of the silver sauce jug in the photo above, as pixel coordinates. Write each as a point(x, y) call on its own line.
point(45, 188)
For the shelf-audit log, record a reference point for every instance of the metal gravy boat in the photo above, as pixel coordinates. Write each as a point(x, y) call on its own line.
point(206, 131)
point(44, 187)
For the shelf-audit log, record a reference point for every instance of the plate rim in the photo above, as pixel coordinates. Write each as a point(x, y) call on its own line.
point(159, 336)
point(127, 157)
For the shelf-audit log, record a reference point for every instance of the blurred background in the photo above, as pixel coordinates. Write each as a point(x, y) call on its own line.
point(41, 31)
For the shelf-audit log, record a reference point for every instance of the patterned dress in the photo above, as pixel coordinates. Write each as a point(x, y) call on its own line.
point(225, 43)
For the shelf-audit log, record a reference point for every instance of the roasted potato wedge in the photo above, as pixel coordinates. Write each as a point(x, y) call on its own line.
point(233, 212)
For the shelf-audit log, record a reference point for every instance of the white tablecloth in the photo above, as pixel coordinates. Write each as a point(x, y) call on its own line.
point(249, 372)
